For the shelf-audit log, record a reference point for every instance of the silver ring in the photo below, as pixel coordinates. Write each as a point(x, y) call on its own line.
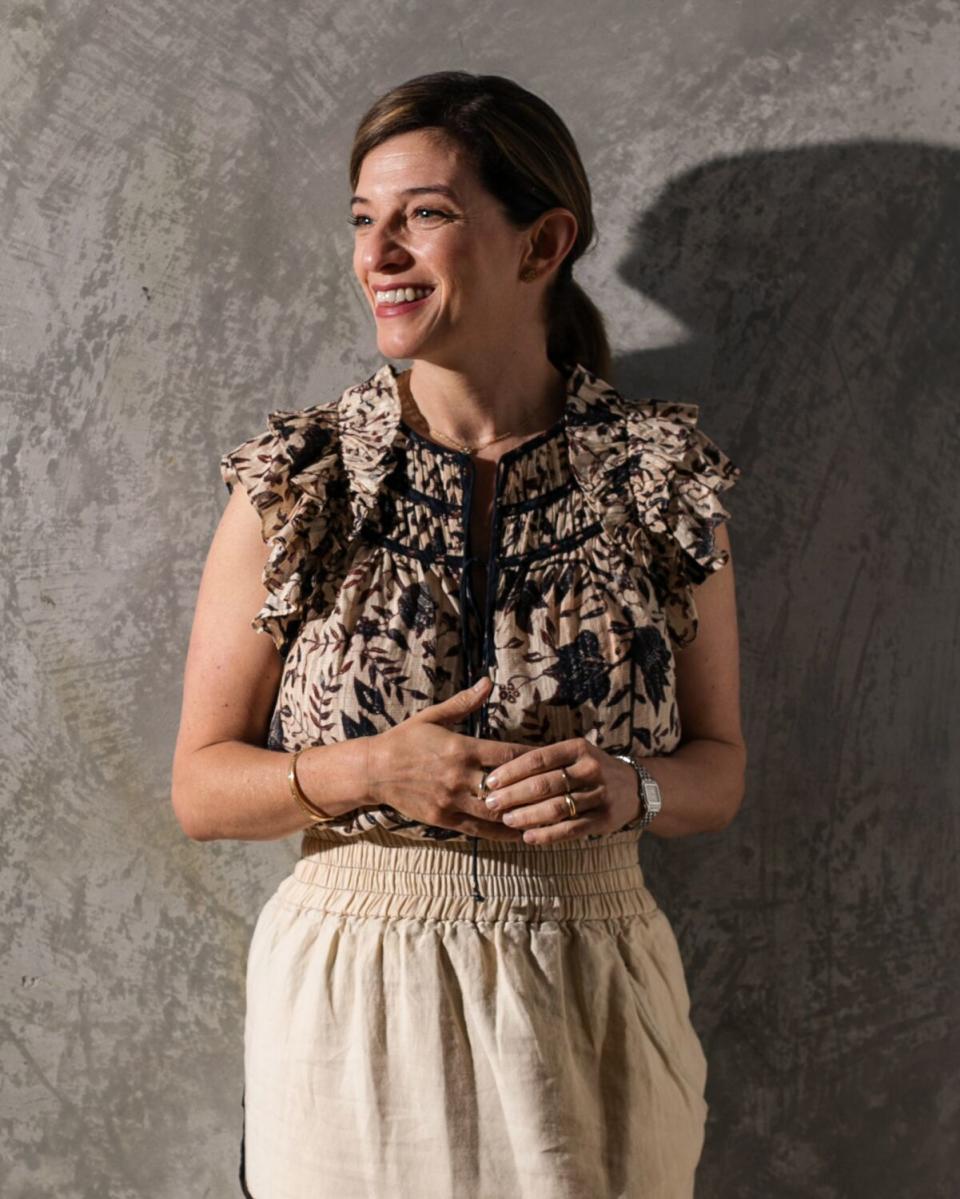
point(483, 785)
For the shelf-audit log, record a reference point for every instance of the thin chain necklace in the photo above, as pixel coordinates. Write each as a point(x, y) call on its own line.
point(462, 446)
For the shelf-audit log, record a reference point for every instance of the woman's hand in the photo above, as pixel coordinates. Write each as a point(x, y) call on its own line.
point(529, 792)
point(431, 774)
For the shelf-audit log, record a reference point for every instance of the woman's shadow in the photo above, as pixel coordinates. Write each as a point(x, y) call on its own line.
point(820, 288)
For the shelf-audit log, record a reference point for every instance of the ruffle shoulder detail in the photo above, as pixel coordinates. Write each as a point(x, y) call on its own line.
point(294, 477)
point(677, 476)
point(314, 476)
point(655, 480)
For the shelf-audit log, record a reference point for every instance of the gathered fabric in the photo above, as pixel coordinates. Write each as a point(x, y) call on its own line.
point(403, 1041)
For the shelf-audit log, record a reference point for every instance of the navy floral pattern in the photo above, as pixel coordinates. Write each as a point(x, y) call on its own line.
point(604, 526)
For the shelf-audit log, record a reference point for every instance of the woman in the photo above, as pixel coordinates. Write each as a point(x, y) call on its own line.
point(477, 580)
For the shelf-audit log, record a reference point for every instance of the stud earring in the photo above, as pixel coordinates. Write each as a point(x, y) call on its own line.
point(528, 274)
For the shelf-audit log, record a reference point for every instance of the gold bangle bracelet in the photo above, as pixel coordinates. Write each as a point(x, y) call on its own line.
point(316, 816)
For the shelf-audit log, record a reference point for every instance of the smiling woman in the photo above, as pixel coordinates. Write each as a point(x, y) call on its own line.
point(486, 676)
point(476, 261)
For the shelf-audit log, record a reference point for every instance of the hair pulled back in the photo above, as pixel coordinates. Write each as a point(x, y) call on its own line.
point(526, 158)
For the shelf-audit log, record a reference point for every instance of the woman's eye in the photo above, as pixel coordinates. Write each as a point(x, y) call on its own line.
point(360, 221)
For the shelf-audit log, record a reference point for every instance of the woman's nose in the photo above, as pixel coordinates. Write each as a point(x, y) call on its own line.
point(381, 247)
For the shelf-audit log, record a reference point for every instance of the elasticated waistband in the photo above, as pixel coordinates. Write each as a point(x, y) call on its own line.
point(385, 874)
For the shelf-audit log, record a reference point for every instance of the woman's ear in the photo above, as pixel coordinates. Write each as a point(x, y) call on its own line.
point(552, 237)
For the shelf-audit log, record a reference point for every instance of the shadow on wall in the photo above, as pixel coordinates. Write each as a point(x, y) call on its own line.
point(820, 286)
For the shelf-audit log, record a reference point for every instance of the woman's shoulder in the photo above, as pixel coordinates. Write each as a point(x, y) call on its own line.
point(335, 451)
point(647, 463)
point(313, 475)
point(269, 463)
point(656, 481)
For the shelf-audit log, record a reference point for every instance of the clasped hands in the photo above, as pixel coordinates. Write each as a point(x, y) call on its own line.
point(431, 774)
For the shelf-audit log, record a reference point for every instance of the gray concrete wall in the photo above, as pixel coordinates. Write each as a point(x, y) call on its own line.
point(777, 187)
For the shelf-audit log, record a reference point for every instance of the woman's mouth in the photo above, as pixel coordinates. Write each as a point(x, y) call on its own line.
point(396, 301)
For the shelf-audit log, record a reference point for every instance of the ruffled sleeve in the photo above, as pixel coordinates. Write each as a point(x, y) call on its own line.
point(655, 481)
point(294, 476)
point(677, 475)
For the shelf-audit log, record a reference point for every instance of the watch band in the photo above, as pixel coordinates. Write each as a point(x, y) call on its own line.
point(648, 791)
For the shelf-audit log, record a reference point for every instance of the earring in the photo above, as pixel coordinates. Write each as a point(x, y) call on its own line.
point(528, 274)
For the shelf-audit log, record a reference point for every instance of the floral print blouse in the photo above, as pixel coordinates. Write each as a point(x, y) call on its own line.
point(603, 524)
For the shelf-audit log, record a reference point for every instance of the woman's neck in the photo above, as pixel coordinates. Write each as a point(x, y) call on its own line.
point(470, 408)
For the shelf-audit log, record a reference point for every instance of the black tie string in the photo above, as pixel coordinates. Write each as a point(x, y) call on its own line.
point(467, 605)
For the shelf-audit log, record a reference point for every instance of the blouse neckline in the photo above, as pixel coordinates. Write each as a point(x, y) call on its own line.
point(532, 443)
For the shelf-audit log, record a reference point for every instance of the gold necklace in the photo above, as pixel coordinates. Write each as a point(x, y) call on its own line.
point(462, 446)
point(408, 400)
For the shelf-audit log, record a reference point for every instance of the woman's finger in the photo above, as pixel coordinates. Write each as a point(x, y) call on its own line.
point(458, 706)
point(534, 813)
point(566, 830)
point(537, 760)
point(570, 775)
point(487, 756)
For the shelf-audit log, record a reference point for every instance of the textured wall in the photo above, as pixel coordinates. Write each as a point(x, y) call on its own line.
point(777, 186)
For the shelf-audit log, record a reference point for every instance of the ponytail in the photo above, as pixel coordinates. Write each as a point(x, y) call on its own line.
point(576, 329)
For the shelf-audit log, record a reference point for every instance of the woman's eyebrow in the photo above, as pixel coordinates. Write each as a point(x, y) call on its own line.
point(434, 188)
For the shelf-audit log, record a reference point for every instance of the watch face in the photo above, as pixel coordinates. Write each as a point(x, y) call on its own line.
point(651, 795)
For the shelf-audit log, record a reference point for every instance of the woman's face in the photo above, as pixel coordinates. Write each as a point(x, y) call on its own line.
point(457, 243)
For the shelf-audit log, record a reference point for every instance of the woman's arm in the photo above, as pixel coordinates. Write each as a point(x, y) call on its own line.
point(225, 784)
point(702, 780)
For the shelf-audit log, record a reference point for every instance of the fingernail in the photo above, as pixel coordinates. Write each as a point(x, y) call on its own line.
point(491, 801)
point(478, 686)
point(492, 780)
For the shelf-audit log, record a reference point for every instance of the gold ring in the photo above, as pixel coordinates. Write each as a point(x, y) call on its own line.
point(571, 805)
point(483, 785)
point(566, 781)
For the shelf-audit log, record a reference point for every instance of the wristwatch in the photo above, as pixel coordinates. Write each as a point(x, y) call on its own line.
point(648, 788)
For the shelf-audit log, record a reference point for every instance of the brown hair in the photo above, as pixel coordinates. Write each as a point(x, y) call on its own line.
point(526, 158)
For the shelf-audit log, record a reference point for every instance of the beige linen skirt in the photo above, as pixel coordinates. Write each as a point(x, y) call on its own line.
point(404, 1040)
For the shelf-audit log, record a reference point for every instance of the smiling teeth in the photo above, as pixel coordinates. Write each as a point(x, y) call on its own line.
point(399, 294)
